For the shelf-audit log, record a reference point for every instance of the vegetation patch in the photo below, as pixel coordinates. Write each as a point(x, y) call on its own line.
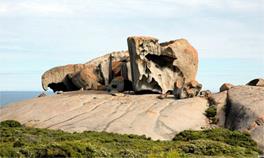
point(210, 113)
point(20, 141)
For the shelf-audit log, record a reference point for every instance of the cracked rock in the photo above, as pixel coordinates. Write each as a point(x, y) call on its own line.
point(157, 66)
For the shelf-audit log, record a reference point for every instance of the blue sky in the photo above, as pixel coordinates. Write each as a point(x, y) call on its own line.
point(36, 35)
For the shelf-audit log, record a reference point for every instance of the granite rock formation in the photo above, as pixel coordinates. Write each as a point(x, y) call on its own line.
point(91, 75)
point(241, 108)
point(245, 111)
point(98, 111)
point(148, 66)
point(157, 66)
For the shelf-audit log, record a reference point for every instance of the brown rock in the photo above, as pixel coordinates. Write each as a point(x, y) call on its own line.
point(226, 86)
point(77, 76)
point(186, 90)
point(86, 79)
point(205, 93)
point(256, 82)
point(156, 67)
point(58, 78)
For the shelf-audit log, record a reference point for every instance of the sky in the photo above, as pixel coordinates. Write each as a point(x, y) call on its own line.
point(36, 35)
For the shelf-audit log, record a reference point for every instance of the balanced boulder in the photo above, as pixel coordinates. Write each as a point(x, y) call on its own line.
point(156, 67)
point(147, 66)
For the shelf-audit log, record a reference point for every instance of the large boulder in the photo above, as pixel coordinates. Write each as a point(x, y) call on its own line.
point(156, 67)
point(91, 75)
point(98, 111)
point(58, 78)
point(245, 111)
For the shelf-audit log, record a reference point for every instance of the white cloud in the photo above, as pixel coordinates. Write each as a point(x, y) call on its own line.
point(122, 8)
point(33, 8)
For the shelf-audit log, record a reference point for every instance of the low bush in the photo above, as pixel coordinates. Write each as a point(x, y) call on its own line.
point(210, 113)
point(10, 123)
point(22, 141)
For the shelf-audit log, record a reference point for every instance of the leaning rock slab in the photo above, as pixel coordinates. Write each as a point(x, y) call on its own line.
point(99, 111)
point(245, 111)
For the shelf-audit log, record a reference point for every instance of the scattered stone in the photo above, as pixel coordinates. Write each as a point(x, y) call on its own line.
point(43, 94)
point(256, 82)
point(226, 86)
point(205, 93)
point(117, 94)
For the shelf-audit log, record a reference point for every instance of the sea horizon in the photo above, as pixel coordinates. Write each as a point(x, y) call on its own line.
point(7, 97)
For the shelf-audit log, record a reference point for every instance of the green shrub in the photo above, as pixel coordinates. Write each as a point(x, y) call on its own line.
point(32, 142)
point(10, 123)
point(233, 138)
point(210, 113)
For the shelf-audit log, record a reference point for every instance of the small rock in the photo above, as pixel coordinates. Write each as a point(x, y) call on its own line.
point(43, 94)
point(118, 94)
point(205, 93)
point(186, 90)
point(226, 86)
point(256, 82)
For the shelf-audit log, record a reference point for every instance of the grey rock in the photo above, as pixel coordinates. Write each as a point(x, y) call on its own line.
point(220, 101)
point(245, 111)
point(130, 114)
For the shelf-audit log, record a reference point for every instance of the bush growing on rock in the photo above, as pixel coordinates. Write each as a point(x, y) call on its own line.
point(210, 113)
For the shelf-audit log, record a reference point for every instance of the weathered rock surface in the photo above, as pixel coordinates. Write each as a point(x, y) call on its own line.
point(149, 65)
point(187, 90)
point(245, 111)
point(225, 87)
point(59, 75)
point(98, 111)
point(156, 67)
point(256, 82)
point(220, 101)
point(91, 75)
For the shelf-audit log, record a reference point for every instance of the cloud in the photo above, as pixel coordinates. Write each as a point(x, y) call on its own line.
point(121, 8)
point(33, 8)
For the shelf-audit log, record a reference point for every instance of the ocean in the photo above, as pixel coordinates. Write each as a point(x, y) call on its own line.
point(7, 97)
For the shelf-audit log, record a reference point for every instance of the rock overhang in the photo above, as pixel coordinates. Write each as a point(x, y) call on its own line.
point(148, 65)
